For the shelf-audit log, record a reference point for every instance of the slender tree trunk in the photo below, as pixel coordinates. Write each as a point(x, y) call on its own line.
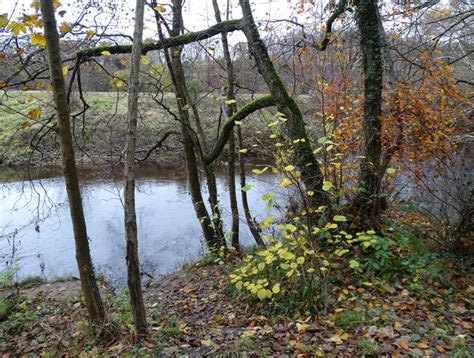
point(245, 204)
point(89, 286)
point(231, 109)
point(304, 158)
point(133, 264)
point(232, 194)
point(173, 62)
point(214, 200)
point(210, 236)
point(207, 167)
point(369, 200)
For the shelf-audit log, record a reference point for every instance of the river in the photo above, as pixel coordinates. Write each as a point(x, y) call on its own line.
point(36, 233)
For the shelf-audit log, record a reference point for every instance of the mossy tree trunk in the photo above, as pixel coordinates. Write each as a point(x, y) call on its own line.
point(303, 159)
point(369, 201)
point(173, 62)
point(133, 263)
point(90, 290)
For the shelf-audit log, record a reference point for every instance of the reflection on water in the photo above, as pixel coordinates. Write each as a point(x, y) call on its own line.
point(36, 231)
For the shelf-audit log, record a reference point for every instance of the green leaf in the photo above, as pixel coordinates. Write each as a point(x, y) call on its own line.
point(391, 171)
point(259, 171)
point(276, 288)
point(340, 218)
point(354, 264)
point(268, 196)
point(322, 140)
point(246, 188)
point(230, 101)
point(285, 183)
point(327, 185)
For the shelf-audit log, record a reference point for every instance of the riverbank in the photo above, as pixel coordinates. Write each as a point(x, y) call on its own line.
point(195, 312)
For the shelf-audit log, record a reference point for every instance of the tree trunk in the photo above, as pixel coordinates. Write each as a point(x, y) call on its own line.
point(368, 200)
point(230, 109)
point(304, 158)
point(89, 286)
point(232, 194)
point(133, 264)
point(245, 204)
point(207, 167)
point(173, 62)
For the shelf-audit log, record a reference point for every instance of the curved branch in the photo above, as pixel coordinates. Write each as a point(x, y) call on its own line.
point(226, 26)
point(242, 113)
point(340, 9)
point(159, 143)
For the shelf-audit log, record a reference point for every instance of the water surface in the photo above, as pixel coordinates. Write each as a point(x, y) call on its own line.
point(36, 231)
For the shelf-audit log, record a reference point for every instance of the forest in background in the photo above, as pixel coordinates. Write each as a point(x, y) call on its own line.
point(363, 109)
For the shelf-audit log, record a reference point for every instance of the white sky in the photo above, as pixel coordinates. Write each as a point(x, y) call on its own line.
point(198, 14)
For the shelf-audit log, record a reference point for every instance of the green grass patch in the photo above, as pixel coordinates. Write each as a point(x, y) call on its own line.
point(349, 320)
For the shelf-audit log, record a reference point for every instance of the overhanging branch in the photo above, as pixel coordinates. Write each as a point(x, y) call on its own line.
point(242, 113)
point(340, 9)
point(226, 26)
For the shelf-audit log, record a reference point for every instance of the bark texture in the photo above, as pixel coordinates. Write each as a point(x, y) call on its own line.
point(369, 201)
point(89, 286)
point(133, 263)
point(304, 158)
point(231, 108)
point(173, 41)
point(173, 62)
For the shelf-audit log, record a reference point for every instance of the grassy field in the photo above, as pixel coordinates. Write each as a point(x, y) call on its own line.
point(27, 126)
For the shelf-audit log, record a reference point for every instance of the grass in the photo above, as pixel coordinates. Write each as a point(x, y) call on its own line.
point(244, 344)
point(349, 320)
point(4, 306)
point(459, 348)
point(170, 331)
point(123, 312)
point(32, 281)
point(102, 127)
point(369, 348)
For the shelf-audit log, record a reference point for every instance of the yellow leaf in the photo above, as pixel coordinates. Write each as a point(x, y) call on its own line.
point(302, 327)
point(118, 83)
point(160, 8)
point(276, 288)
point(285, 183)
point(289, 168)
point(3, 20)
point(105, 53)
point(335, 339)
point(145, 60)
point(244, 150)
point(16, 27)
point(35, 5)
point(38, 40)
point(327, 185)
point(207, 342)
point(90, 34)
point(35, 113)
point(65, 70)
point(262, 293)
point(65, 27)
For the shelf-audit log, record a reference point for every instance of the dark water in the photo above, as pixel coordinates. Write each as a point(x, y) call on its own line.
point(36, 231)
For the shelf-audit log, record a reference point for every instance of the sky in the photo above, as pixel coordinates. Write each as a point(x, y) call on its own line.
point(198, 14)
